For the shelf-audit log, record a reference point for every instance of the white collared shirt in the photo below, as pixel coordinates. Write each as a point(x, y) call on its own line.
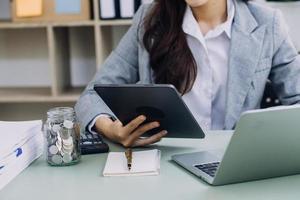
point(207, 99)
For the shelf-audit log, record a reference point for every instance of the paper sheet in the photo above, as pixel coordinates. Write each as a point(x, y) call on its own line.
point(20, 144)
point(143, 163)
point(30, 152)
point(14, 133)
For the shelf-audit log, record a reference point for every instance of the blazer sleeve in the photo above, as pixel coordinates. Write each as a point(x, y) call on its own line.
point(285, 72)
point(121, 67)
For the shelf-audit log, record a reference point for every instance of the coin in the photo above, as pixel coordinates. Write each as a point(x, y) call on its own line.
point(68, 146)
point(57, 159)
point(53, 149)
point(56, 128)
point(68, 124)
point(67, 158)
point(67, 150)
point(68, 141)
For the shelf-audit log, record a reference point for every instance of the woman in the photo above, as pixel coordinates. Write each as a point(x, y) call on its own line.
point(217, 53)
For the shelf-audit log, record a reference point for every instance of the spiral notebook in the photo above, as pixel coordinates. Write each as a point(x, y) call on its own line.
point(144, 163)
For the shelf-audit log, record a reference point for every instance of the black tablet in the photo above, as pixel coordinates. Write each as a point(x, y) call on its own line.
point(160, 103)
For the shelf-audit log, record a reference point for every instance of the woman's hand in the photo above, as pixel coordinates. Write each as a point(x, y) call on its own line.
point(128, 135)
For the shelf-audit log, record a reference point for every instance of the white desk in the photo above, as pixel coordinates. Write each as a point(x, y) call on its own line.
point(84, 181)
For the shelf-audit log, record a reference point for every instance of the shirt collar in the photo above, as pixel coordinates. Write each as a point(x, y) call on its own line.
point(190, 25)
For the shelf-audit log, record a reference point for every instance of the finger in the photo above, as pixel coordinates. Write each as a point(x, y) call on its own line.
point(143, 129)
point(115, 131)
point(150, 140)
point(130, 140)
point(131, 126)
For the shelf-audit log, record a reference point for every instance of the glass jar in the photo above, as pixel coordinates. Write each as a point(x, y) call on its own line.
point(62, 133)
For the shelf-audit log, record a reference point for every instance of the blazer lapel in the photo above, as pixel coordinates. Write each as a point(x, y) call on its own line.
point(247, 40)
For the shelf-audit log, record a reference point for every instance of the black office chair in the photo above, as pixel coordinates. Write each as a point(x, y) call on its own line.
point(269, 99)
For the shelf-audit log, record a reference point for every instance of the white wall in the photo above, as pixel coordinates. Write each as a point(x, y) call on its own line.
point(82, 55)
point(24, 58)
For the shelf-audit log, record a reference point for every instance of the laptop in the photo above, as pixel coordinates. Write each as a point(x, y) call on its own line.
point(265, 144)
point(157, 102)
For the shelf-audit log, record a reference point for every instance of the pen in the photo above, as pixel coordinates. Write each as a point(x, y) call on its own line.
point(128, 154)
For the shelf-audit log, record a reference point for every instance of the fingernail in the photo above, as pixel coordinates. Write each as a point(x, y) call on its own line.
point(165, 132)
point(157, 124)
point(143, 117)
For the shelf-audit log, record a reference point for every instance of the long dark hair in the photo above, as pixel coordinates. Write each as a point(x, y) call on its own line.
point(170, 56)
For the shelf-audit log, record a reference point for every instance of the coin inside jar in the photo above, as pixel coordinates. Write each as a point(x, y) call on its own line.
point(68, 141)
point(68, 124)
point(56, 128)
point(57, 159)
point(67, 158)
point(53, 149)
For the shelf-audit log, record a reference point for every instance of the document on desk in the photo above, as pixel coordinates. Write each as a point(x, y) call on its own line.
point(20, 144)
point(144, 163)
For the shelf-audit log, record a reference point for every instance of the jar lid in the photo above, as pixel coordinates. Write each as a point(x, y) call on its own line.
point(61, 112)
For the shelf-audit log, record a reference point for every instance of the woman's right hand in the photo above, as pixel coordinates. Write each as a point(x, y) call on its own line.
point(128, 135)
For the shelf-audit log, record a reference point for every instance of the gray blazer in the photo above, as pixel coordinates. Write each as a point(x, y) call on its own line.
point(260, 49)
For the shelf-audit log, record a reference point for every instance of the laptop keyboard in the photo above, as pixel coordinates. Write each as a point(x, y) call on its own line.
point(209, 168)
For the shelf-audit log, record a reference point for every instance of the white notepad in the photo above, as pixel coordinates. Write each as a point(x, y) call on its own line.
point(144, 163)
